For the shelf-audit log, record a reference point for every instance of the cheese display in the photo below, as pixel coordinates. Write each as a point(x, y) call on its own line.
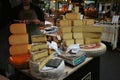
point(65, 23)
point(38, 38)
point(15, 39)
point(18, 28)
point(38, 46)
point(19, 49)
point(39, 54)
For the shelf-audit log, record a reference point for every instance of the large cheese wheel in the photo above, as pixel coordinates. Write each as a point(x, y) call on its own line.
point(18, 28)
point(19, 59)
point(19, 49)
point(17, 39)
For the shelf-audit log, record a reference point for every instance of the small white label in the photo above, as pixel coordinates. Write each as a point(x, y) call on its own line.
point(58, 37)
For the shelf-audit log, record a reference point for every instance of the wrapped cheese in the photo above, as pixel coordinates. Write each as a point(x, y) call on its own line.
point(17, 39)
point(19, 49)
point(18, 28)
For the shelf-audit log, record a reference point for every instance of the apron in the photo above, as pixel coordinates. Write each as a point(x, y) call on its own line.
point(32, 28)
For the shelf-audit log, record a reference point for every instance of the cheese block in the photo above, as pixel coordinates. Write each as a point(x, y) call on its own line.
point(66, 29)
point(92, 34)
point(65, 23)
point(78, 35)
point(68, 42)
point(67, 35)
point(77, 23)
point(18, 28)
point(72, 16)
point(19, 49)
point(79, 41)
point(39, 64)
point(88, 29)
point(38, 38)
point(76, 9)
point(39, 54)
point(92, 40)
point(38, 46)
point(88, 22)
point(17, 39)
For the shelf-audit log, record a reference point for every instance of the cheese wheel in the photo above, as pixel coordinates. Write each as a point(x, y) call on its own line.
point(18, 28)
point(17, 39)
point(19, 49)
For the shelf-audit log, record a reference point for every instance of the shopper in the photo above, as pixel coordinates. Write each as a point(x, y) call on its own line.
point(31, 14)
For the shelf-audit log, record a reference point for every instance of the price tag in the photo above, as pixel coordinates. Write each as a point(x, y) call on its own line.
point(115, 19)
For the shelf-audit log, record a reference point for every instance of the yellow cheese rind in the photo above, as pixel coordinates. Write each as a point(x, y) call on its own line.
point(79, 41)
point(72, 16)
point(19, 49)
point(67, 35)
point(65, 23)
point(77, 23)
point(78, 35)
point(38, 38)
point(39, 54)
point(92, 34)
point(68, 42)
point(18, 28)
point(38, 46)
point(66, 29)
point(17, 39)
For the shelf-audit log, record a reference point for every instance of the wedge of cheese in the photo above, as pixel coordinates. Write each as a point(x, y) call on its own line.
point(67, 35)
point(38, 46)
point(19, 49)
point(38, 38)
point(65, 23)
point(39, 54)
point(17, 39)
point(78, 35)
point(18, 28)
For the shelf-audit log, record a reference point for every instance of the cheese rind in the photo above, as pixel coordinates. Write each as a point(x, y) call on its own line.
point(17, 39)
point(38, 38)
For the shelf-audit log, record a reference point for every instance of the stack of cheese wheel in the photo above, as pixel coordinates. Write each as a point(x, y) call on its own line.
point(19, 49)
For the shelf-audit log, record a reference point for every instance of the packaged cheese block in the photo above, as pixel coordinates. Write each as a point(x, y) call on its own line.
point(19, 49)
point(39, 54)
point(65, 23)
point(17, 39)
point(77, 23)
point(67, 35)
point(92, 34)
point(18, 28)
point(38, 46)
point(38, 38)
point(72, 16)
point(68, 42)
point(79, 41)
point(78, 35)
point(66, 29)
point(92, 40)
point(39, 64)
point(88, 29)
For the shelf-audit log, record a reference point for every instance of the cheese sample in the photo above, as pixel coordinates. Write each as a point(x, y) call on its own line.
point(92, 34)
point(88, 29)
point(39, 64)
point(68, 42)
point(17, 39)
point(92, 40)
point(72, 16)
point(79, 41)
point(77, 22)
point(38, 38)
point(38, 46)
point(64, 23)
point(66, 29)
point(39, 54)
point(19, 49)
point(78, 35)
point(18, 28)
point(67, 35)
